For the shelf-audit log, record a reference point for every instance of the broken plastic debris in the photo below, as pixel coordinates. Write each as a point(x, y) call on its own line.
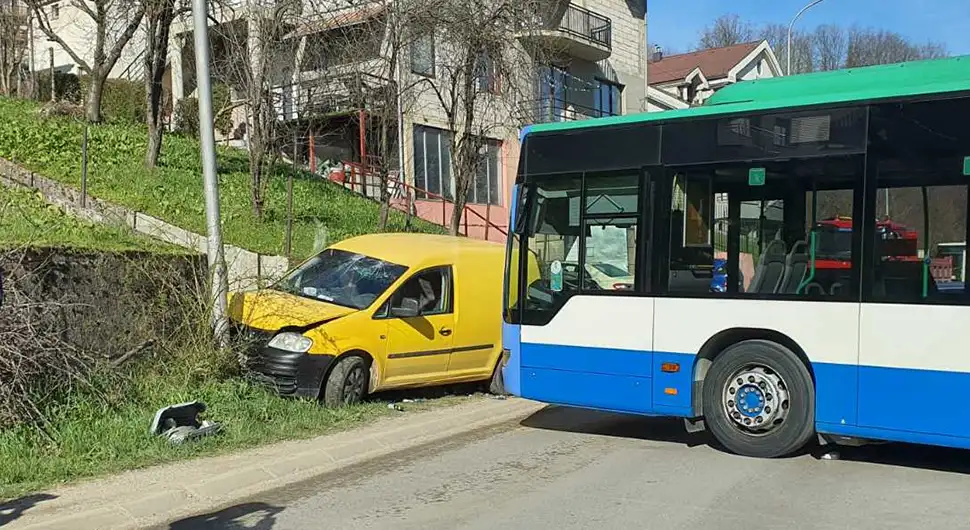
point(179, 423)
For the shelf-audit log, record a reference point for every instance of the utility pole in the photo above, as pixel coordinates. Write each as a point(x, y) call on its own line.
point(646, 58)
point(217, 261)
point(792, 25)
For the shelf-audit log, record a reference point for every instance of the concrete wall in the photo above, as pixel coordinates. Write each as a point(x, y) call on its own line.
point(247, 269)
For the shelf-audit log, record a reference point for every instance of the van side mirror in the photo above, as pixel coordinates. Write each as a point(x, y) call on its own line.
point(408, 308)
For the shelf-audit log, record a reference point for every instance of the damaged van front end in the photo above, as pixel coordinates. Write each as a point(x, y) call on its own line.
point(291, 334)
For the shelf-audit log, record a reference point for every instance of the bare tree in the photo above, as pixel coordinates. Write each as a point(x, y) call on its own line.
point(482, 83)
point(357, 65)
point(159, 16)
point(727, 30)
point(830, 46)
point(868, 46)
point(115, 23)
point(802, 57)
point(253, 56)
point(14, 46)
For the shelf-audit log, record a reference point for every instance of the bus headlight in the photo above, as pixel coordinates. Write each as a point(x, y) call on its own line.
point(289, 341)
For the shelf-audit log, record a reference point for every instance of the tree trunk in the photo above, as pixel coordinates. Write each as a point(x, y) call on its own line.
point(384, 213)
point(455, 227)
point(156, 54)
point(95, 94)
point(155, 131)
point(256, 183)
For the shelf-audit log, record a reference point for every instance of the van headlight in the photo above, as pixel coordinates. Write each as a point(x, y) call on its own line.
point(289, 341)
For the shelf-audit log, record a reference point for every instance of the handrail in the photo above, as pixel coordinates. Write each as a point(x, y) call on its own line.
point(594, 27)
point(560, 109)
point(360, 170)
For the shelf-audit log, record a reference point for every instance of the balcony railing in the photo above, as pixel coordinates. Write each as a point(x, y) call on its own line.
point(585, 24)
point(556, 110)
point(333, 95)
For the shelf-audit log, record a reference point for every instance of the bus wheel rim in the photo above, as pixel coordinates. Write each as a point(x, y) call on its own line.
point(756, 399)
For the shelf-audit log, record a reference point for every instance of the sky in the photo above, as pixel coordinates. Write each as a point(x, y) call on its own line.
point(944, 21)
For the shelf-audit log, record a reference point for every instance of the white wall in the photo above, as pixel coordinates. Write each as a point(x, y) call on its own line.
point(78, 31)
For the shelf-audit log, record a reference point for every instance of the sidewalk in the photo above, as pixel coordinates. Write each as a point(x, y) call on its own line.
point(155, 495)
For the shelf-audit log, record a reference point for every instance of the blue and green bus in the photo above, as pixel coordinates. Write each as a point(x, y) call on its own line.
point(877, 349)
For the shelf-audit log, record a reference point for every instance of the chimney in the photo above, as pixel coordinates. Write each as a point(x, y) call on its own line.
point(658, 53)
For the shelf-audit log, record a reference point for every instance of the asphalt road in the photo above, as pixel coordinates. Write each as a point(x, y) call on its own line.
point(569, 469)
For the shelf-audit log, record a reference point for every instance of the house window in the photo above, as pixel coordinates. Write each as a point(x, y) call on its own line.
point(486, 74)
point(422, 55)
point(55, 11)
point(552, 93)
point(432, 163)
point(607, 98)
point(433, 176)
point(486, 189)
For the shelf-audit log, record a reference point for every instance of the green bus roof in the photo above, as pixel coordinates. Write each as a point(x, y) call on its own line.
point(916, 78)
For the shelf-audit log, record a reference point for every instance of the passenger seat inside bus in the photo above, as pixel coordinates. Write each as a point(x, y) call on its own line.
point(796, 266)
point(771, 268)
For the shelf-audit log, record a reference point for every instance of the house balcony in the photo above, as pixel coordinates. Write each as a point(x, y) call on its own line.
point(575, 31)
point(333, 95)
point(557, 110)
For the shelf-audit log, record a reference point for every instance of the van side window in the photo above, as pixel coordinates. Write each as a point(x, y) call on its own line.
point(431, 288)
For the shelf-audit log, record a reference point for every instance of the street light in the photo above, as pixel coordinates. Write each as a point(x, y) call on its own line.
point(790, 26)
point(217, 261)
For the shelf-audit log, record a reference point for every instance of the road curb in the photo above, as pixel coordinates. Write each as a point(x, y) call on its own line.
point(153, 496)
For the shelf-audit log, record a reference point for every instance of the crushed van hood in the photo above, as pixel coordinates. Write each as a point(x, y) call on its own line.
point(271, 310)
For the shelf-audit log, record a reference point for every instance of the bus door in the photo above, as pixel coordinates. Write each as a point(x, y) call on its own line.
point(587, 334)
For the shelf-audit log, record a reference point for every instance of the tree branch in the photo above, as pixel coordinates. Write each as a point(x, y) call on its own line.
point(37, 6)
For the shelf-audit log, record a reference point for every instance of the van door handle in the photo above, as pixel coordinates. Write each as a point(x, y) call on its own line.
point(444, 332)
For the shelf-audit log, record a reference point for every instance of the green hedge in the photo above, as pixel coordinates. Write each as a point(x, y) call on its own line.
point(186, 119)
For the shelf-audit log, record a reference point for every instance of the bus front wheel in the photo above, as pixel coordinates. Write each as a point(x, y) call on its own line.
point(759, 400)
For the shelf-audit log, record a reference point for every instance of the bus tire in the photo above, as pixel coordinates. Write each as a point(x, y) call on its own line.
point(347, 382)
point(759, 400)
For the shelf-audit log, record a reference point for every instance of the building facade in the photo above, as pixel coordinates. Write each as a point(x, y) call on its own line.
point(591, 65)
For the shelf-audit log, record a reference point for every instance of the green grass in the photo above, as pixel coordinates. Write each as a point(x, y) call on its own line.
point(26, 219)
point(92, 438)
point(173, 192)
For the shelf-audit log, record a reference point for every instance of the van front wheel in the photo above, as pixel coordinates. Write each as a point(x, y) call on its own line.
point(347, 382)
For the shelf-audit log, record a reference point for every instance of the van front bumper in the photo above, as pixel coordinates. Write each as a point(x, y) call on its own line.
point(288, 373)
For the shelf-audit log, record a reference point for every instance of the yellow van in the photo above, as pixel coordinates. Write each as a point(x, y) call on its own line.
point(378, 312)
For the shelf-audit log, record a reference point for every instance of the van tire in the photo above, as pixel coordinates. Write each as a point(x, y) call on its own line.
point(347, 382)
point(496, 385)
point(753, 357)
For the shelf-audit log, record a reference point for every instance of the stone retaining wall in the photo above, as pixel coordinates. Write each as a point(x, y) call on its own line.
point(246, 269)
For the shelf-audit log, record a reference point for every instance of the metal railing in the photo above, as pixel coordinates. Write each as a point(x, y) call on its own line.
point(585, 24)
point(333, 94)
point(556, 110)
point(363, 181)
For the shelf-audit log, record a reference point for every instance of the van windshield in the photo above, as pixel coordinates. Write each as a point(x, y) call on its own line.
point(342, 278)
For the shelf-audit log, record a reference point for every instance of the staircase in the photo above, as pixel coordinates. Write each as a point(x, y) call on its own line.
point(478, 221)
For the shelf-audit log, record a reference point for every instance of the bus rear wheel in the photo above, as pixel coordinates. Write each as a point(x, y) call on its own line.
point(759, 400)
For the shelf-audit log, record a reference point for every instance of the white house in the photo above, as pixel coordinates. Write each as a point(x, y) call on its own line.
point(688, 79)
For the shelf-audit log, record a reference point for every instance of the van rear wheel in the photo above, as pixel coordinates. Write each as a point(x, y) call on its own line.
point(759, 400)
point(347, 382)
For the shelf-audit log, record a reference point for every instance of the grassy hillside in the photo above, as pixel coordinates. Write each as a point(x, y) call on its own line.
point(27, 220)
point(173, 192)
